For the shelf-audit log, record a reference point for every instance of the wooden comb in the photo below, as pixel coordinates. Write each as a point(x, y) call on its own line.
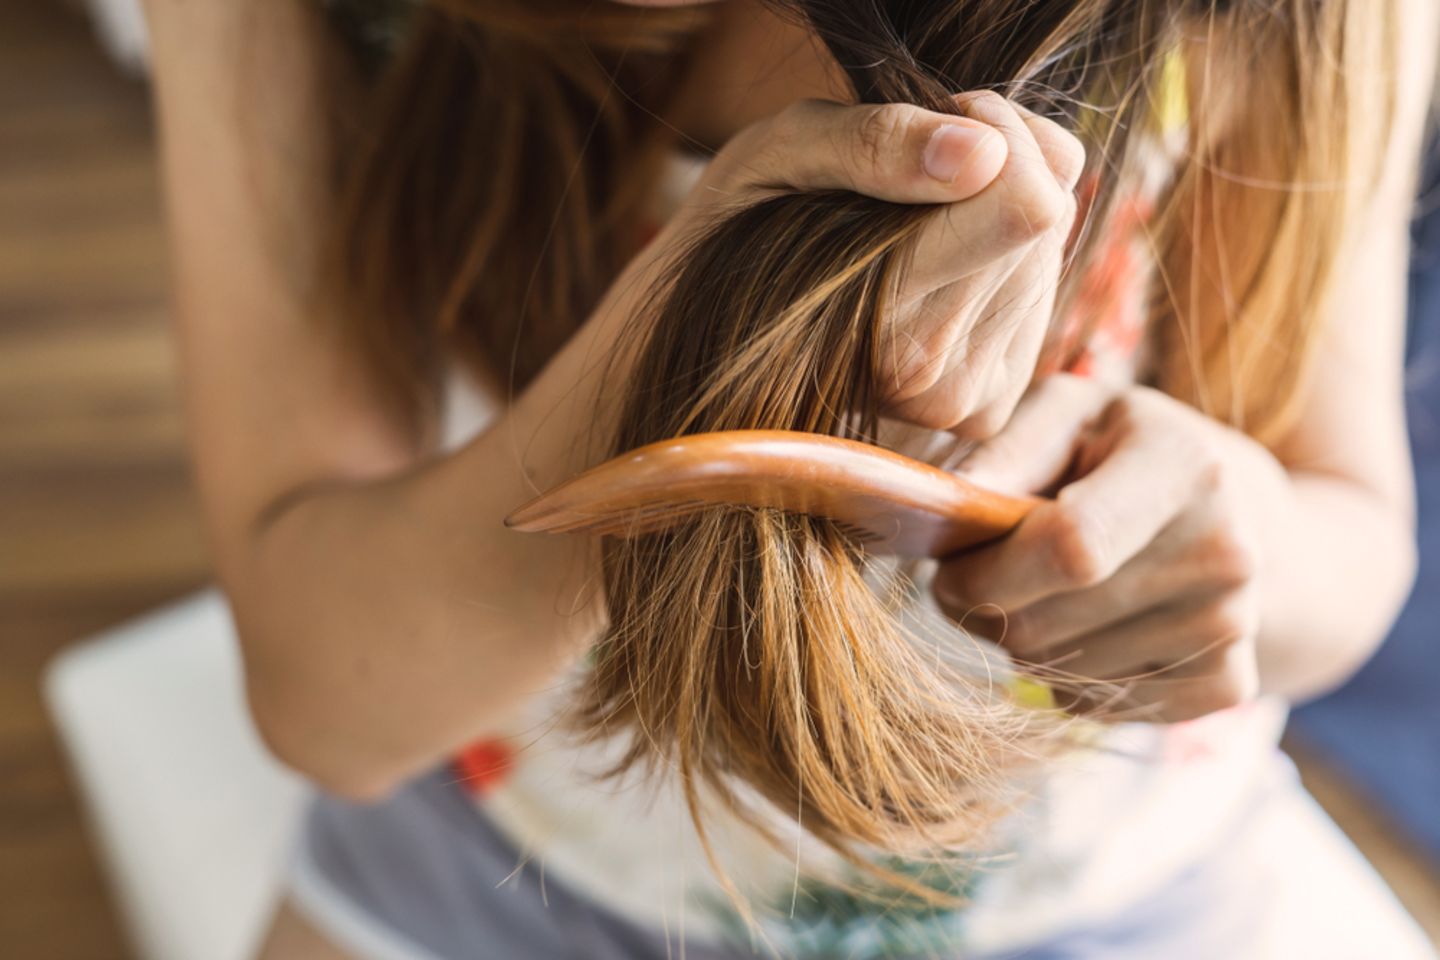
point(891, 502)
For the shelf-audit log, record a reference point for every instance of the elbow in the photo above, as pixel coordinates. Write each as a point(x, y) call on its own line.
point(312, 709)
point(297, 734)
point(1390, 589)
point(1409, 569)
point(1403, 569)
point(300, 709)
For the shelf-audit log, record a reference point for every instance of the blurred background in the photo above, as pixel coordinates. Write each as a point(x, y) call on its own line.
point(98, 522)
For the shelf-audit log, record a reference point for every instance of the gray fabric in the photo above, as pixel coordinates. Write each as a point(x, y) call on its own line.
point(428, 865)
point(428, 868)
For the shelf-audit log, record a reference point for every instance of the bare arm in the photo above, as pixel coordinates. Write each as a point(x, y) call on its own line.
point(1186, 562)
point(1345, 558)
point(365, 578)
point(386, 615)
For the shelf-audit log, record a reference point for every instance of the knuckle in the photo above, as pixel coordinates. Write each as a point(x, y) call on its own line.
point(1233, 681)
point(1064, 151)
point(946, 591)
point(983, 103)
point(1079, 554)
point(1202, 696)
point(1138, 405)
point(1231, 556)
point(1178, 707)
point(780, 131)
point(765, 149)
point(931, 416)
point(954, 586)
point(721, 173)
point(981, 424)
point(1141, 409)
point(1231, 619)
point(983, 620)
point(1063, 389)
point(1151, 399)
point(742, 153)
point(1210, 473)
point(792, 116)
point(1071, 208)
point(1226, 688)
point(1067, 153)
point(878, 131)
point(1200, 699)
point(1017, 634)
point(1036, 210)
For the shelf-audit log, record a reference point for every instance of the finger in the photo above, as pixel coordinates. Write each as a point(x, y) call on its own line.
point(1027, 173)
point(1037, 446)
point(1044, 629)
point(1218, 679)
point(896, 152)
point(1062, 150)
point(1181, 572)
point(945, 345)
point(1151, 644)
point(976, 345)
point(1007, 306)
point(1011, 377)
point(1081, 538)
point(1025, 203)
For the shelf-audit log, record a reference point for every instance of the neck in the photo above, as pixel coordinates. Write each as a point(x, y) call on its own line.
point(750, 64)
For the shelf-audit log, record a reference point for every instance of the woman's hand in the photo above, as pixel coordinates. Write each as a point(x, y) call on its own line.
point(1145, 569)
point(974, 308)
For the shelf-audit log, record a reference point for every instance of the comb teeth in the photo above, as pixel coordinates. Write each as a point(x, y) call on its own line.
point(647, 519)
point(654, 517)
point(860, 534)
point(605, 521)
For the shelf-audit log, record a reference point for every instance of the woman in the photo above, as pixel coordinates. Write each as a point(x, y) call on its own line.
point(391, 624)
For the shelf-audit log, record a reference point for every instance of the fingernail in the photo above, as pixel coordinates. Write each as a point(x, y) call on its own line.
point(952, 148)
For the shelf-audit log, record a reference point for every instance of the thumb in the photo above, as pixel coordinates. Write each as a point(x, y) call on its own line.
point(1035, 450)
point(893, 151)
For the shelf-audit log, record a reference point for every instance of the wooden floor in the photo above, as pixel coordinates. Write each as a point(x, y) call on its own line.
point(97, 521)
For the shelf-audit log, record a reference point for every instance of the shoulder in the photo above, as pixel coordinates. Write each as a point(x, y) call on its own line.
point(209, 40)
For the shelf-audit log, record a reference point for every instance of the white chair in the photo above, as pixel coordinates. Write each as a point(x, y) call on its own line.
point(121, 25)
point(193, 817)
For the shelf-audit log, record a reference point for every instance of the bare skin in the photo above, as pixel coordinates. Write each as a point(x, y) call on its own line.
point(1185, 558)
point(386, 616)
point(481, 617)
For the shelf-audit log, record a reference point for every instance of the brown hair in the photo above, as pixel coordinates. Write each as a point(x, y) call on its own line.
point(750, 646)
point(490, 200)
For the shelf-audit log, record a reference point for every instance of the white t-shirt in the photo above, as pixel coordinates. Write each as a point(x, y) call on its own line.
point(1110, 824)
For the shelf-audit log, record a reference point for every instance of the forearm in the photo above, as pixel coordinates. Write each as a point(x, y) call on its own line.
point(1340, 540)
point(386, 616)
point(1339, 564)
point(388, 622)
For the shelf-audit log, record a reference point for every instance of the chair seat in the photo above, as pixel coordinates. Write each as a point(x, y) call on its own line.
point(194, 818)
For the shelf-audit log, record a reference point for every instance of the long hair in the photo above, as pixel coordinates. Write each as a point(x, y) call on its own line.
point(758, 653)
